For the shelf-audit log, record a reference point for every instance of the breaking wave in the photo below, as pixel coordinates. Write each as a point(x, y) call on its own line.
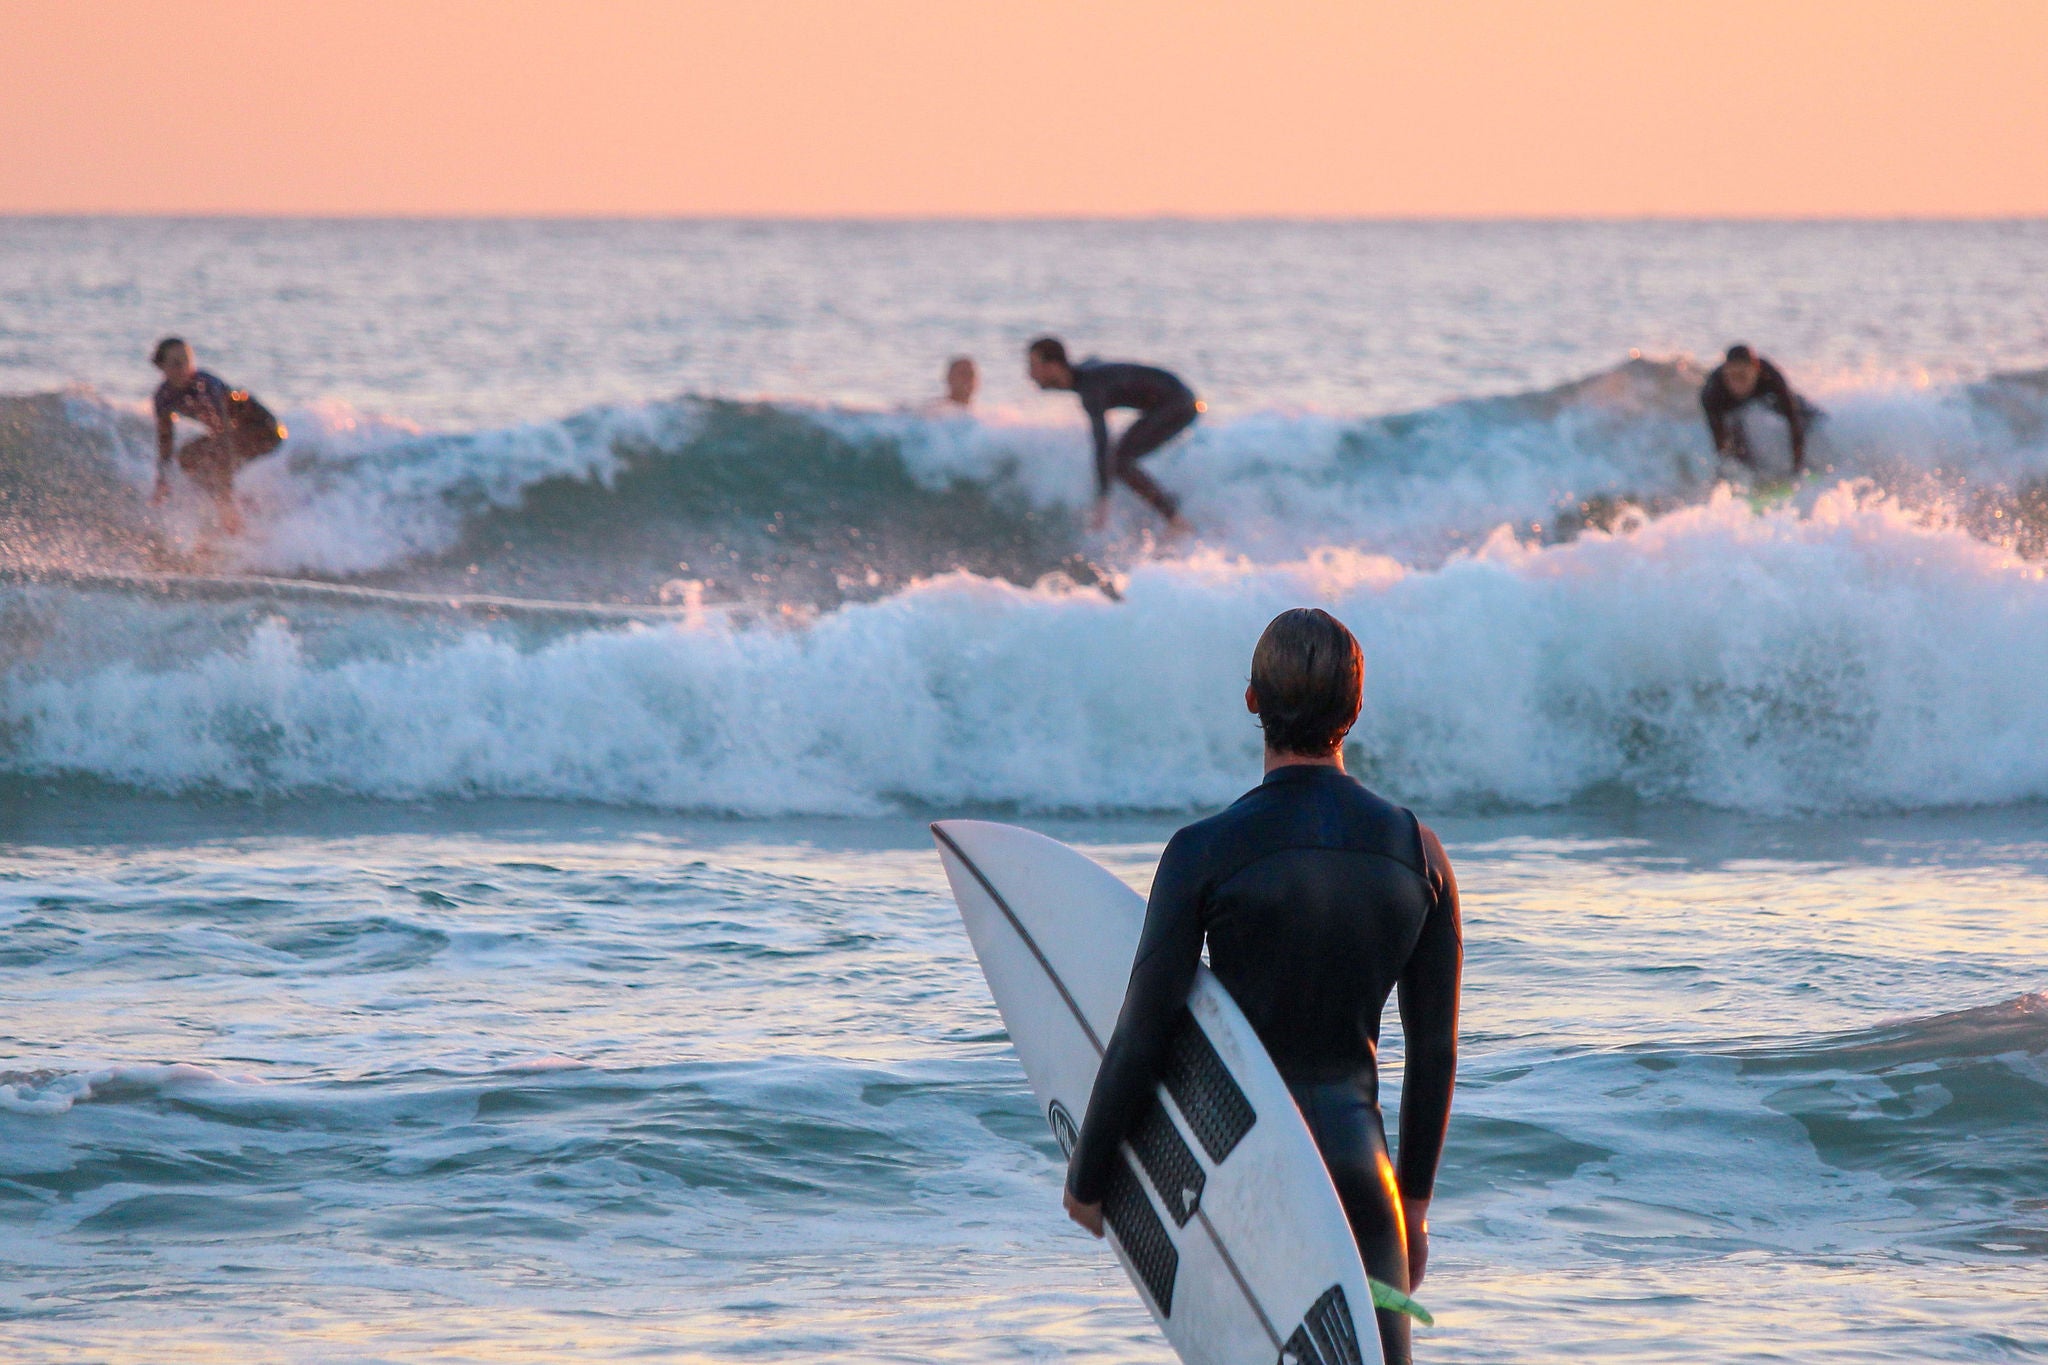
point(1847, 657)
point(765, 609)
point(790, 502)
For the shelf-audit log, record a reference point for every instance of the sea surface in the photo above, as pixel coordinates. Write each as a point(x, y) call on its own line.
point(485, 912)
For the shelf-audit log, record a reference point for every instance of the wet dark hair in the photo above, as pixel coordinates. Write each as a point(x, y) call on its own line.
point(1049, 349)
point(164, 348)
point(1308, 676)
point(1740, 354)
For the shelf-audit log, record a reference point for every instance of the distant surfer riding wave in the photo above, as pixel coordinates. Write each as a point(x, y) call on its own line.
point(238, 429)
point(1165, 405)
point(1746, 380)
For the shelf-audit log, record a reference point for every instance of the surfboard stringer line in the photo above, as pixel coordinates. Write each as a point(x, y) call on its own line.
point(1045, 965)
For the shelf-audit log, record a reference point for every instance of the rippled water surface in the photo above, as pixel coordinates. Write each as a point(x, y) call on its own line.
point(489, 323)
point(330, 1081)
point(484, 912)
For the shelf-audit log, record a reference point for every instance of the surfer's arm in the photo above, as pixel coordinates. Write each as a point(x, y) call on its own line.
point(1098, 426)
point(1717, 423)
point(164, 444)
point(1429, 1026)
point(1787, 402)
point(1168, 953)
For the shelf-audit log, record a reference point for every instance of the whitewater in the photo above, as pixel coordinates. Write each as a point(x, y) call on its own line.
point(1562, 597)
point(483, 912)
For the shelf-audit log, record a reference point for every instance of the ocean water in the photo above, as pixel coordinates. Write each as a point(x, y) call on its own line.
point(485, 912)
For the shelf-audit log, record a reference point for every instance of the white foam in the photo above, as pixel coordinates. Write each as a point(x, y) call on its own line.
point(350, 494)
point(57, 1090)
point(362, 496)
point(353, 493)
point(1853, 657)
point(1269, 483)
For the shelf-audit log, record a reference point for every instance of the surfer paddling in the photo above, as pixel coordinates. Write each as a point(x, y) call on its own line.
point(1317, 900)
point(1166, 407)
point(238, 429)
point(1742, 378)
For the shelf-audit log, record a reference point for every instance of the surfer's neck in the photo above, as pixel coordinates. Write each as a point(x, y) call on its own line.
point(1280, 758)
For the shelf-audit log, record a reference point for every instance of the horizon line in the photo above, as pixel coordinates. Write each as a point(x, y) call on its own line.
point(908, 219)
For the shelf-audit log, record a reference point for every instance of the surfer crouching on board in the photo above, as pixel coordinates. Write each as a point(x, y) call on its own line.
point(1317, 899)
point(1745, 377)
point(238, 429)
point(1166, 407)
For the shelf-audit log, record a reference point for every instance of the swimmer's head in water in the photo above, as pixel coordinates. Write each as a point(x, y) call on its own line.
point(1740, 370)
point(1046, 362)
point(174, 358)
point(963, 380)
point(1308, 680)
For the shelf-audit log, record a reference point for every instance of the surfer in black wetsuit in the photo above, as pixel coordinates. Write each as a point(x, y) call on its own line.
point(1745, 377)
point(1317, 899)
point(238, 429)
point(1166, 407)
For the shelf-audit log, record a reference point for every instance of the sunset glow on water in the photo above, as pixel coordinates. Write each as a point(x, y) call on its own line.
point(481, 908)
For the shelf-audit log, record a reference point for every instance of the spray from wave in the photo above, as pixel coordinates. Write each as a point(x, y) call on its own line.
point(872, 610)
point(1850, 657)
point(789, 504)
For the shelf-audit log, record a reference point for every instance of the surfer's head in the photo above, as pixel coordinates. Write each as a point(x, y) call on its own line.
point(174, 358)
point(1045, 360)
point(1739, 371)
point(962, 379)
point(1308, 679)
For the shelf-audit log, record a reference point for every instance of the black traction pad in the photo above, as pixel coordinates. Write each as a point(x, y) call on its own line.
point(1153, 1254)
point(1327, 1335)
point(1175, 1173)
point(1209, 1099)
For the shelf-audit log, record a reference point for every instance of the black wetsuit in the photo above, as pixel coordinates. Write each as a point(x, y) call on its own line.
point(1317, 899)
point(239, 429)
point(1771, 390)
point(1166, 407)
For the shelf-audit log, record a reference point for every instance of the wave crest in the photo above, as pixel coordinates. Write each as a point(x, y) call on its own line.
point(1835, 660)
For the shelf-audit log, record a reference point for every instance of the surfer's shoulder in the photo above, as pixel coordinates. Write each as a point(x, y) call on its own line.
point(1202, 843)
point(1434, 860)
point(1379, 805)
point(1194, 838)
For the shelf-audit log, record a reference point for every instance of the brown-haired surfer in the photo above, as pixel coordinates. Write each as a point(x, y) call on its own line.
point(1166, 407)
point(1317, 900)
point(238, 429)
point(963, 381)
point(1744, 377)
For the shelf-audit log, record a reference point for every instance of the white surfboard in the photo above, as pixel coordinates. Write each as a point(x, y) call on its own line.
point(1221, 1210)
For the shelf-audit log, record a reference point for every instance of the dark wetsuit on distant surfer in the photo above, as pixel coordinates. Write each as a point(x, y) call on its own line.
point(1745, 377)
point(239, 429)
point(1165, 405)
point(1317, 900)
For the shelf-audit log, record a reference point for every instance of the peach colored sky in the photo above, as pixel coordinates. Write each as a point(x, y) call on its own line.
point(1118, 107)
